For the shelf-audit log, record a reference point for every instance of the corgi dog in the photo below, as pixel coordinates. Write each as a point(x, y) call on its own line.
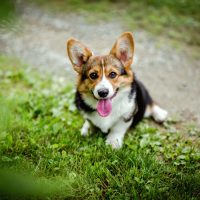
point(109, 95)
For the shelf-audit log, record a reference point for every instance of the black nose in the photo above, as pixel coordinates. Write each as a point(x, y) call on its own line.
point(103, 92)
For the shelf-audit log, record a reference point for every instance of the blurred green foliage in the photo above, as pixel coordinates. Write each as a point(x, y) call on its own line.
point(7, 10)
point(178, 19)
point(43, 156)
point(183, 7)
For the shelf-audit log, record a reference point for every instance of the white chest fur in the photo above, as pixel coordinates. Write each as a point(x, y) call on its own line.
point(122, 107)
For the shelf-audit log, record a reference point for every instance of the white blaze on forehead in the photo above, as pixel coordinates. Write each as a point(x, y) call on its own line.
point(103, 84)
point(102, 64)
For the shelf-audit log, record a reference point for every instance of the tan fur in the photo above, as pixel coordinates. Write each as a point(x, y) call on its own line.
point(120, 80)
point(112, 97)
point(118, 51)
point(84, 62)
point(78, 54)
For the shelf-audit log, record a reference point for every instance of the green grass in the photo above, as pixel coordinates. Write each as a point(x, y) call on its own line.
point(178, 20)
point(43, 156)
point(7, 11)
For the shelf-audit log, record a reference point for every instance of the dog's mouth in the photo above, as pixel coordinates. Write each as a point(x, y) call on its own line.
point(104, 106)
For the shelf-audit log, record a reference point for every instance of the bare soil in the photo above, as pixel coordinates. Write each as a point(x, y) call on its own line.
point(172, 76)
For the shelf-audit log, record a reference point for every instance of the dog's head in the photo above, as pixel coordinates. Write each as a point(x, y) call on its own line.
point(102, 76)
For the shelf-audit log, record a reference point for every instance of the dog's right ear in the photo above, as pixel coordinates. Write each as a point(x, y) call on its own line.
point(78, 54)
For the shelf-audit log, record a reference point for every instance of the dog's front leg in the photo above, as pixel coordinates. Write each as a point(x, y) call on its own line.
point(85, 128)
point(116, 136)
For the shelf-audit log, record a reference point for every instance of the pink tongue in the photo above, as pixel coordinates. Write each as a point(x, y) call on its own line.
point(104, 107)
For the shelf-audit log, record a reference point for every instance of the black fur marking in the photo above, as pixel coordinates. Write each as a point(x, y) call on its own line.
point(142, 100)
point(123, 72)
point(81, 105)
point(133, 89)
point(84, 76)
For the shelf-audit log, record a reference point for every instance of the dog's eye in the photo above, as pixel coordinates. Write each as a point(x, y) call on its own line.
point(93, 75)
point(112, 75)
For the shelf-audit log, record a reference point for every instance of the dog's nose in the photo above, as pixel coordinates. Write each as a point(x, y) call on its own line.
point(103, 92)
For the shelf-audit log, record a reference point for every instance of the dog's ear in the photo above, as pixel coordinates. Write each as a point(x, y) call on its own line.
point(78, 54)
point(123, 49)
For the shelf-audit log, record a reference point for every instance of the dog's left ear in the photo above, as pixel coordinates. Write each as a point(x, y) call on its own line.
point(123, 49)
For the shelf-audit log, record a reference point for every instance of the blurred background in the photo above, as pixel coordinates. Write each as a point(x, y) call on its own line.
point(167, 41)
point(42, 154)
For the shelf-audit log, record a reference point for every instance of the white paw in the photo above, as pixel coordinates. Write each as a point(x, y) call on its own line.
point(114, 141)
point(85, 129)
point(159, 114)
point(84, 132)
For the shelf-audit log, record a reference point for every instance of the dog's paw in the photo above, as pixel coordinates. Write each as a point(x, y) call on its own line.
point(84, 132)
point(159, 114)
point(114, 141)
point(85, 129)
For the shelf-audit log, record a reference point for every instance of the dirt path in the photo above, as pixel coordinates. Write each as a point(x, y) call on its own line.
point(172, 77)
